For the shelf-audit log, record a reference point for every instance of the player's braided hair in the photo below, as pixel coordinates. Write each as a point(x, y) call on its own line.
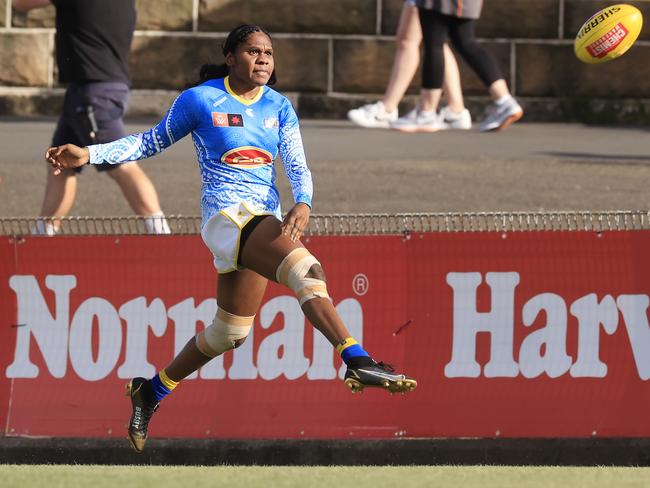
point(238, 35)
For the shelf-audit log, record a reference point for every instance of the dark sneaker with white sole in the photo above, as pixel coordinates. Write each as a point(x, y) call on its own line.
point(378, 375)
point(143, 406)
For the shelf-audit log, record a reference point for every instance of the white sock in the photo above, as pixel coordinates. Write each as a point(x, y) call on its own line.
point(503, 99)
point(157, 224)
point(453, 113)
point(383, 108)
point(43, 228)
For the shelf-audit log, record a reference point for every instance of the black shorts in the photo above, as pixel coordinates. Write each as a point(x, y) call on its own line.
point(246, 232)
point(92, 114)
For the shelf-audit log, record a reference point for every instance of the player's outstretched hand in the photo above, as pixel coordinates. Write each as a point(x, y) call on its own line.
point(296, 221)
point(67, 156)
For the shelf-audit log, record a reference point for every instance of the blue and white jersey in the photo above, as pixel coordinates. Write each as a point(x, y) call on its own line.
point(236, 142)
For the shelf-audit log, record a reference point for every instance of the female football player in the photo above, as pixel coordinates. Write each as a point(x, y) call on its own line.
point(239, 125)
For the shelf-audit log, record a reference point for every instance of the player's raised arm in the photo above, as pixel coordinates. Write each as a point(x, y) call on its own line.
point(66, 157)
point(177, 123)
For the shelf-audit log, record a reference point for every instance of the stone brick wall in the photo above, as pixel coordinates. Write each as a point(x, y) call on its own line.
point(332, 55)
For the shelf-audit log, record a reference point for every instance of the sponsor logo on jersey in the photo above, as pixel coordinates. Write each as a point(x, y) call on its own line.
point(271, 123)
point(227, 120)
point(248, 156)
point(249, 112)
point(235, 120)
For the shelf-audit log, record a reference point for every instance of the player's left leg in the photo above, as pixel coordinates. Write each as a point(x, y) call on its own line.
point(278, 258)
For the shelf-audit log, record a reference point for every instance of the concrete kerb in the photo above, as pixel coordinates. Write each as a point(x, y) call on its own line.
point(302, 452)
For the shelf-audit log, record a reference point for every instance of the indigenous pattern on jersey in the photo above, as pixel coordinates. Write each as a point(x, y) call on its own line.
point(236, 142)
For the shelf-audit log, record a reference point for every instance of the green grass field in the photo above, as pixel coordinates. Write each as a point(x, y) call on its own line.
point(51, 476)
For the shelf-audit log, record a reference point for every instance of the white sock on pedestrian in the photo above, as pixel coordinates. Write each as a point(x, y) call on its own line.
point(157, 224)
point(503, 99)
point(43, 228)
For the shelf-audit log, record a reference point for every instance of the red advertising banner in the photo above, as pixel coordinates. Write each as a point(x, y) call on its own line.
point(519, 334)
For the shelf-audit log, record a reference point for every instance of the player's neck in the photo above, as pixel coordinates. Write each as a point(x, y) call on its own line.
point(243, 89)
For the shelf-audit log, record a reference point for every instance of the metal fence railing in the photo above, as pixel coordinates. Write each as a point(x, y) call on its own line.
point(360, 224)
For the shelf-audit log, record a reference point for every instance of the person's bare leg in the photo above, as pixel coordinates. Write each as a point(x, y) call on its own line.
point(137, 188)
point(453, 91)
point(407, 57)
point(238, 292)
point(498, 89)
point(141, 195)
point(429, 99)
point(60, 193)
point(265, 250)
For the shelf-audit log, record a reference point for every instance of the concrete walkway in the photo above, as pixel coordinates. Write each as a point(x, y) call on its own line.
point(529, 167)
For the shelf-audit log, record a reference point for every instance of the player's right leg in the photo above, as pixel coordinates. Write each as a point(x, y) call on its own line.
point(239, 295)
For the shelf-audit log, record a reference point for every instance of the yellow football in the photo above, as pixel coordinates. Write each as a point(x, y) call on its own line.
point(608, 34)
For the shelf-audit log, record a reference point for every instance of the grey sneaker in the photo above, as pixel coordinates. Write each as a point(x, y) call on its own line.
point(378, 375)
point(372, 116)
point(417, 121)
point(500, 116)
point(455, 120)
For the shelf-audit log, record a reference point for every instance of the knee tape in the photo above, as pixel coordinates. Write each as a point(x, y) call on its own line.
point(293, 271)
point(226, 332)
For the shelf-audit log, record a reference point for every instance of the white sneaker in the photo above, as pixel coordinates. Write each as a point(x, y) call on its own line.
point(500, 115)
point(455, 120)
point(417, 121)
point(372, 116)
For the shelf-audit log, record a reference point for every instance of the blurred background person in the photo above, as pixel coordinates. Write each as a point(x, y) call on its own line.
point(93, 40)
point(456, 19)
point(407, 59)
